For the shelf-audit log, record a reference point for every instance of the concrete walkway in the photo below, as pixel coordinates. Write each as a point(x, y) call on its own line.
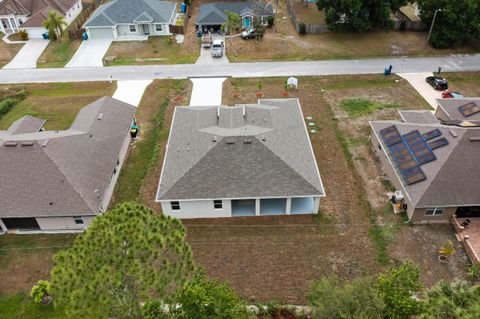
point(28, 55)
point(207, 91)
point(90, 53)
point(417, 81)
point(131, 91)
point(457, 63)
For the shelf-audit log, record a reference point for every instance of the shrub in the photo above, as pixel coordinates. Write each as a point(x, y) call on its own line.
point(302, 28)
point(6, 105)
point(40, 291)
point(270, 21)
point(23, 35)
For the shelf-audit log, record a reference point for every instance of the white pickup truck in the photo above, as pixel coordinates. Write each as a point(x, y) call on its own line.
point(207, 40)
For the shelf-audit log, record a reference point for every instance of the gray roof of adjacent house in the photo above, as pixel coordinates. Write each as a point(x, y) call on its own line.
point(130, 11)
point(257, 150)
point(451, 108)
point(420, 117)
point(63, 173)
point(26, 124)
point(214, 13)
point(453, 178)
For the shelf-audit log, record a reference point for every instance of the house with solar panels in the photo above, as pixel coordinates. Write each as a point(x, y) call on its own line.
point(246, 160)
point(434, 159)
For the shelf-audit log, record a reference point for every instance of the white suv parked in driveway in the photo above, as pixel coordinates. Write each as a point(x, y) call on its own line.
point(217, 48)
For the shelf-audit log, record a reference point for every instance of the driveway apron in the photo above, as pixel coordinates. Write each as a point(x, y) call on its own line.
point(131, 91)
point(417, 80)
point(28, 55)
point(90, 53)
point(207, 91)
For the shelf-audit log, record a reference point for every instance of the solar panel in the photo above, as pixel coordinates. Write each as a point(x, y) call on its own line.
point(438, 143)
point(390, 135)
point(402, 156)
point(432, 134)
point(469, 109)
point(413, 175)
point(419, 148)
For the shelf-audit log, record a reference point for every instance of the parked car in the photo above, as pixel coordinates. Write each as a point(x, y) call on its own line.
point(206, 40)
point(251, 34)
point(217, 48)
point(437, 82)
point(451, 95)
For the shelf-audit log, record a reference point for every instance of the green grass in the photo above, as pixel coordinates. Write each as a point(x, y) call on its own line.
point(360, 107)
point(58, 53)
point(22, 306)
point(58, 103)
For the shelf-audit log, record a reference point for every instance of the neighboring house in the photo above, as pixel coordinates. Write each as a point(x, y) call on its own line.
point(409, 17)
point(434, 160)
point(247, 160)
point(131, 19)
point(211, 16)
point(29, 15)
point(60, 180)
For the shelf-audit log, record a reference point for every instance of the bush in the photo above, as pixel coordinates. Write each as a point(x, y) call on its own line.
point(302, 28)
point(270, 21)
point(40, 291)
point(23, 35)
point(6, 105)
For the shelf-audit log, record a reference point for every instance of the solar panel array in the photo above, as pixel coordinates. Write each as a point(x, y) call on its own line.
point(411, 150)
point(469, 109)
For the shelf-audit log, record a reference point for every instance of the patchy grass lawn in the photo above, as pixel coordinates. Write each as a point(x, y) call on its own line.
point(22, 306)
point(7, 51)
point(283, 43)
point(157, 50)
point(25, 259)
point(361, 107)
point(308, 12)
point(154, 115)
point(58, 103)
point(58, 53)
point(467, 83)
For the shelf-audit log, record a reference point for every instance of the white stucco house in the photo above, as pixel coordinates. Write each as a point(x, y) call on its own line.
point(28, 15)
point(246, 160)
point(131, 19)
point(58, 181)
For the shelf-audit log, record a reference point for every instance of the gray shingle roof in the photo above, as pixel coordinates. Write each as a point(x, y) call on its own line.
point(420, 117)
point(450, 107)
point(26, 124)
point(265, 153)
point(214, 13)
point(129, 11)
point(452, 179)
point(64, 168)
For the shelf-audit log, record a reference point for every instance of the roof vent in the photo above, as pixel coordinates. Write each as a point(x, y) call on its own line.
point(264, 138)
point(229, 141)
point(214, 139)
point(452, 133)
point(45, 143)
point(11, 144)
point(474, 139)
point(247, 141)
point(97, 192)
point(100, 116)
point(30, 143)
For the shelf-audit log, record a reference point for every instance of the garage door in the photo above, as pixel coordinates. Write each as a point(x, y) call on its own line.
point(21, 223)
point(35, 33)
point(103, 33)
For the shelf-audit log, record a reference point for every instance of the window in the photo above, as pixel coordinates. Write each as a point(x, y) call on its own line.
point(158, 28)
point(434, 211)
point(217, 204)
point(132, 27)
point(175, 205)
point(78, 220)
point(20, 22)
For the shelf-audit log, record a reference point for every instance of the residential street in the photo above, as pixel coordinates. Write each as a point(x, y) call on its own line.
point(255, 69)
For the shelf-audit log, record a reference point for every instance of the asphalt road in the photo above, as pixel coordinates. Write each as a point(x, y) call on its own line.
point(254, 69)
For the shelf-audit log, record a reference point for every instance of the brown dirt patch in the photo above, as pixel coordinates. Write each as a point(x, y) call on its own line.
point(7, 51)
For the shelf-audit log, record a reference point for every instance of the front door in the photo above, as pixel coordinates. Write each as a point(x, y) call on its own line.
point(146, 29)
point(247, 22)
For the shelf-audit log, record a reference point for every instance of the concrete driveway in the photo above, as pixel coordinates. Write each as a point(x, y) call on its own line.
point(131, 91)
point(28, 55)
point(417, 80)
point(90, 53)
point(206, 55)
point(207, 91)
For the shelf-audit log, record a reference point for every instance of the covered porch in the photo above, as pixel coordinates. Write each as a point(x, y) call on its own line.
point(8, 26)
point(275, 206)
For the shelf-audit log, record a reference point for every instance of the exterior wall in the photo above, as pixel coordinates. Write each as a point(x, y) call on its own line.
point(441, 115)
point(124, 30)
point(121, 158)
point(198, 209)
point(62, 223)
point(13, 22)
point(100, 33)
point(73, 12)
point(419, 216)
point(165, 30)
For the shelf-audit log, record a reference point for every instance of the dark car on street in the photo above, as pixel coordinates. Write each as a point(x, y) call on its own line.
point(437, 82)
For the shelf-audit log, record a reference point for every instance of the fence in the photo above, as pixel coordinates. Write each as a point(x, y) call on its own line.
point(75, 29)
point(181, 29)
point(309, 28)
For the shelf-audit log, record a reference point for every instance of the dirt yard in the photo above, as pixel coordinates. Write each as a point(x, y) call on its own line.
point(308, 12)
point(7, 51)
point(281, 42)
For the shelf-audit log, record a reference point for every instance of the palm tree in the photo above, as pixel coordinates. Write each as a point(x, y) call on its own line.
point(54, 24)
point(233, 23)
